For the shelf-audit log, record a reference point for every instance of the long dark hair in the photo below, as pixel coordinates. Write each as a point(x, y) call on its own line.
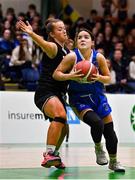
point(21, 50)
point(83, 29)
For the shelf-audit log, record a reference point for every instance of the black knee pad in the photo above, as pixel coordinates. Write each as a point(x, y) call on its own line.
point(59, 119)
point(91, 118)
point(111, 138)
point(96, 124)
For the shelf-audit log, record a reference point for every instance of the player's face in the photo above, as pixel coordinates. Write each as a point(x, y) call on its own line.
point(84, 40)
point(59, 32)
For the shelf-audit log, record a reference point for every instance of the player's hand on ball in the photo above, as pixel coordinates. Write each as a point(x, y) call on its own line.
point(76, 75)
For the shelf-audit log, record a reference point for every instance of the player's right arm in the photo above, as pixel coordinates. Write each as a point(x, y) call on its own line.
point(49, 48)
point(65, 70)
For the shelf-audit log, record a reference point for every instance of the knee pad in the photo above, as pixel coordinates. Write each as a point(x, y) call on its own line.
point(111, 138)
point(59, 119)
point(92, 119)
point(96, 124)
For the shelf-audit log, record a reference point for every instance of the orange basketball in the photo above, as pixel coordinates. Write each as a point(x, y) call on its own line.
point(87, 68)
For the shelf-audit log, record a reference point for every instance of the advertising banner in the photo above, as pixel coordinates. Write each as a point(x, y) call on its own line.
point(22, 122)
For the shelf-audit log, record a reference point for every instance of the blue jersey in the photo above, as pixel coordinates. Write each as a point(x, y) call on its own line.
point(88, 95)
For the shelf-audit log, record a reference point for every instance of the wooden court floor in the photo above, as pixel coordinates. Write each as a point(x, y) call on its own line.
point(22, 161)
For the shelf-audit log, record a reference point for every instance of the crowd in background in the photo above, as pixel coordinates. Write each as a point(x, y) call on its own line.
point(20, 57)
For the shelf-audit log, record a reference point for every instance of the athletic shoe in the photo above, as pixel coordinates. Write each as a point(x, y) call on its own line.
point(61, 166)
point(116, 166)
point(50, 160)
point(101, 157)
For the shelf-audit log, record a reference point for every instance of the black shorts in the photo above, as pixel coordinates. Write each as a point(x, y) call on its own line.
point(43, 94)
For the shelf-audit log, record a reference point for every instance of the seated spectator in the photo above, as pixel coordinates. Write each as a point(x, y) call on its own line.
point(107, 6)
point(23, 69)
point(91, 21)
point(6, 43)
point(132, 69)
point(130, 44)
point(6, 47)
point(20, 59)
point(17, 37)
point(37, 54)
point(69, 44)
point(121, 33)
point(21, 16)
point(108, 34)
point(123, 7)
point(99, 41)
point(112, 87)
point(121, 73)
point(31, 12)
point(131, 73)
point(10, 16)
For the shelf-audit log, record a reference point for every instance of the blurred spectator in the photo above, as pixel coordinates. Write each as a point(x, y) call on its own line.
point(6, 47)
point(125, 56)
point(121, 73)
point(37, 54)
point(115, 39)
point(108, 34)
point(68, 25)
point(36, 28)
point(99, 41)
point(23, 67)
point(21, 16)
point(112, 87)
point(132, 69)
point(107, 6)
point(91, 21)
point(37, 19)
point(20, 59)
point(77, 25)
point(122, 6)
point(121, 33)
point(69, 44)
point(6, 43)
point(131, 73)
point(31, 12)
point(130, 44)
point(10, 16)
point(17, 37)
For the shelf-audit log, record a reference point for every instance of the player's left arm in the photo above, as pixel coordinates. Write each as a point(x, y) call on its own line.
point(104, 75)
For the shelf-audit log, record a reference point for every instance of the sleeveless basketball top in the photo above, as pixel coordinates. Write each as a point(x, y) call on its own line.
point(48, 66)
point(91, 87)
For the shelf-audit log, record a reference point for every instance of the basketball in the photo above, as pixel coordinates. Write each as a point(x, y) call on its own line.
point(87, 68)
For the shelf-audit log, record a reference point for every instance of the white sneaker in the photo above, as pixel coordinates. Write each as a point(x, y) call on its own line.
point(116, 166)
point(101, 157)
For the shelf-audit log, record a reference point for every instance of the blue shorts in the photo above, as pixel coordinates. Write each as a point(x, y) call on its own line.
point(96, 102)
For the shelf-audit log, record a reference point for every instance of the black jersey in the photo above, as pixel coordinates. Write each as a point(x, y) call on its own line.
point(48, 66)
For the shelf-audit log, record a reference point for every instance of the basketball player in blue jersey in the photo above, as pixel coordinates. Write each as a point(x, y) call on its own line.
point(88, 99)
point(49, 94)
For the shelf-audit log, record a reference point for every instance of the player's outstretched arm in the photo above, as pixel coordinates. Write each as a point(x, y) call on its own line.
point(49, 48)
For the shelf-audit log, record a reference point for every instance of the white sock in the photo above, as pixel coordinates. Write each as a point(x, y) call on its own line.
point(50, 148)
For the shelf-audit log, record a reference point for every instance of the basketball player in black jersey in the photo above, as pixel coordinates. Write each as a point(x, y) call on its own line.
point(49, 96)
